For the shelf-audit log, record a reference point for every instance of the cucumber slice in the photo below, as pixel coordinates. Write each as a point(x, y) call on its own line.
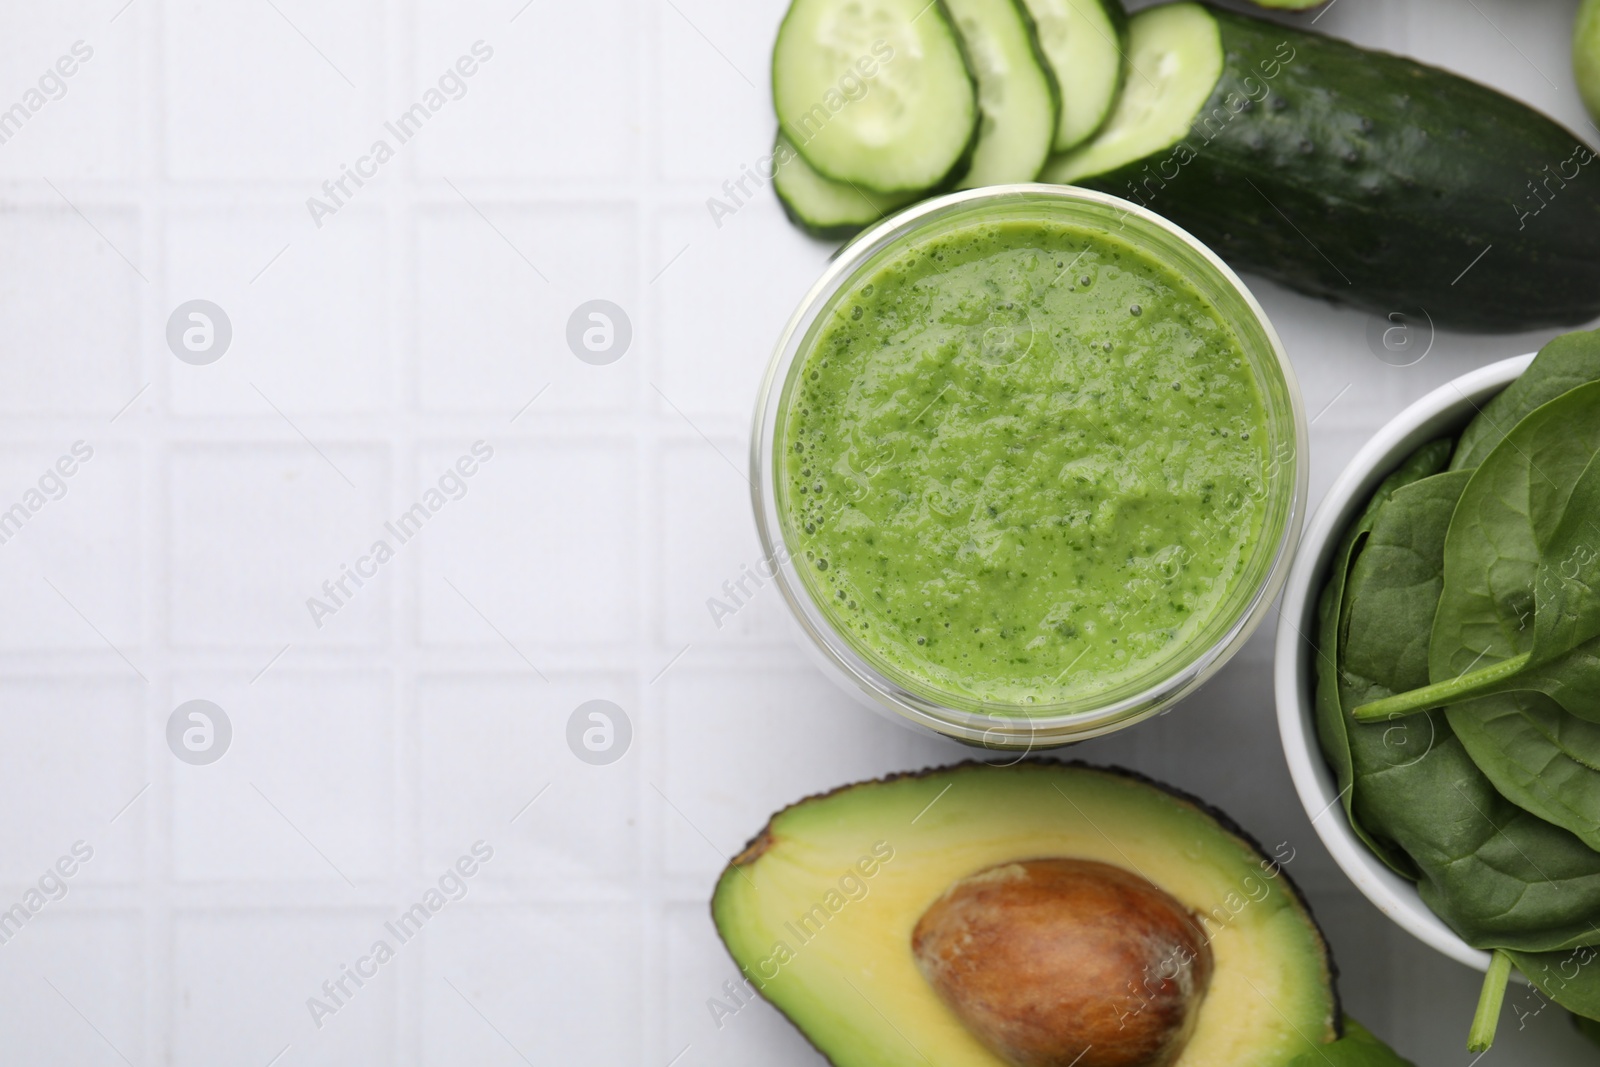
point(1355, 175)
point(1586, 56)
point(1175, 59)
point(875, 92)
point(821, 206)
point(1018, 101)
point(1083, 41)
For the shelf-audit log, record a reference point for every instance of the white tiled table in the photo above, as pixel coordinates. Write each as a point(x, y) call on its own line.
point(368, 354)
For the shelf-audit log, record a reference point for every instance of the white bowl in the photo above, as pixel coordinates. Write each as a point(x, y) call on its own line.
point(1445, 410)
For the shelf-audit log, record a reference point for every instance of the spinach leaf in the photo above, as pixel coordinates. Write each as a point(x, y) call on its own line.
point(1564, 660)
point(1566, 621)
point(1496, 873)
point(1499, 876)
point(1538, 756)
point(1510, 508)
point(1398, 578)
point(1331, 730)
point(1357, 1048)
point(1571, 978)
point(1508, 559)
point(1562, 365)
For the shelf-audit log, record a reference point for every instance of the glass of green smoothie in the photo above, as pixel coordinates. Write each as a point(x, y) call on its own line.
point(1028, 465)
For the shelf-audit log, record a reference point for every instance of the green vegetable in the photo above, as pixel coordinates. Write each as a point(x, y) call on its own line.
point(1539, 756)
point(1497, 875)
point(1487, 1017)
point(1176, 50)
point(1418, 792)
point(1500, 877)
point(1499, 565)
point(1542, 759)
point(1357, 1048)
point(1083, 42)
point(1354, 175)
point(822, 206)
point(1565, 363)
point(1018, 99)
point(1586, 55)
point(1558, 655)
point(1567, 594)
point(1332, 729)
point(1571, 978)
point(1453, 798)
point(876, 93)
point(1400, 577)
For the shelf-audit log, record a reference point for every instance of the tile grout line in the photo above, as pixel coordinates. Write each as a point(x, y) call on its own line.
point(651, 761)
point(402, 430)
point(156, 816)
point(401, 29)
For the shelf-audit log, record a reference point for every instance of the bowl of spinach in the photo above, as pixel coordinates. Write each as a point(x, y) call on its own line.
point(1438, 673)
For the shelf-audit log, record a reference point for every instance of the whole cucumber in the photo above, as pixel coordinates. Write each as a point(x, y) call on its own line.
point(1364, 177)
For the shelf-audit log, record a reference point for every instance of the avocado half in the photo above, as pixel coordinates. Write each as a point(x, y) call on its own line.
point(819, 909)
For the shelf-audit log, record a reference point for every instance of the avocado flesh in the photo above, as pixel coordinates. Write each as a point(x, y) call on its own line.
point(847, 978)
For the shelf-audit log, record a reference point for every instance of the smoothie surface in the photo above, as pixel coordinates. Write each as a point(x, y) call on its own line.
point(1022, 463)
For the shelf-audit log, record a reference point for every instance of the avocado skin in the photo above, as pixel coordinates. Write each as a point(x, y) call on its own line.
point(760, 842)
point(1374, 180)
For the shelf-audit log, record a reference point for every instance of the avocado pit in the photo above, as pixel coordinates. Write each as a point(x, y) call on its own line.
point(1066, 963)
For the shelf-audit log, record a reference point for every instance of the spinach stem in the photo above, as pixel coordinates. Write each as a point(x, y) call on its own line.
point(1476, 683)
point(1487, 1017)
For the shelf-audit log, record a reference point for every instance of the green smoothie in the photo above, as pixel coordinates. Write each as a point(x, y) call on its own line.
point(1023, 463)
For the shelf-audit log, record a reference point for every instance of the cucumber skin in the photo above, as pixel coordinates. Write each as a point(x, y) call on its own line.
point(1397, 176)
point(1118, 14)
point(1031, 28)
point(833, 231)
point(841, 232)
